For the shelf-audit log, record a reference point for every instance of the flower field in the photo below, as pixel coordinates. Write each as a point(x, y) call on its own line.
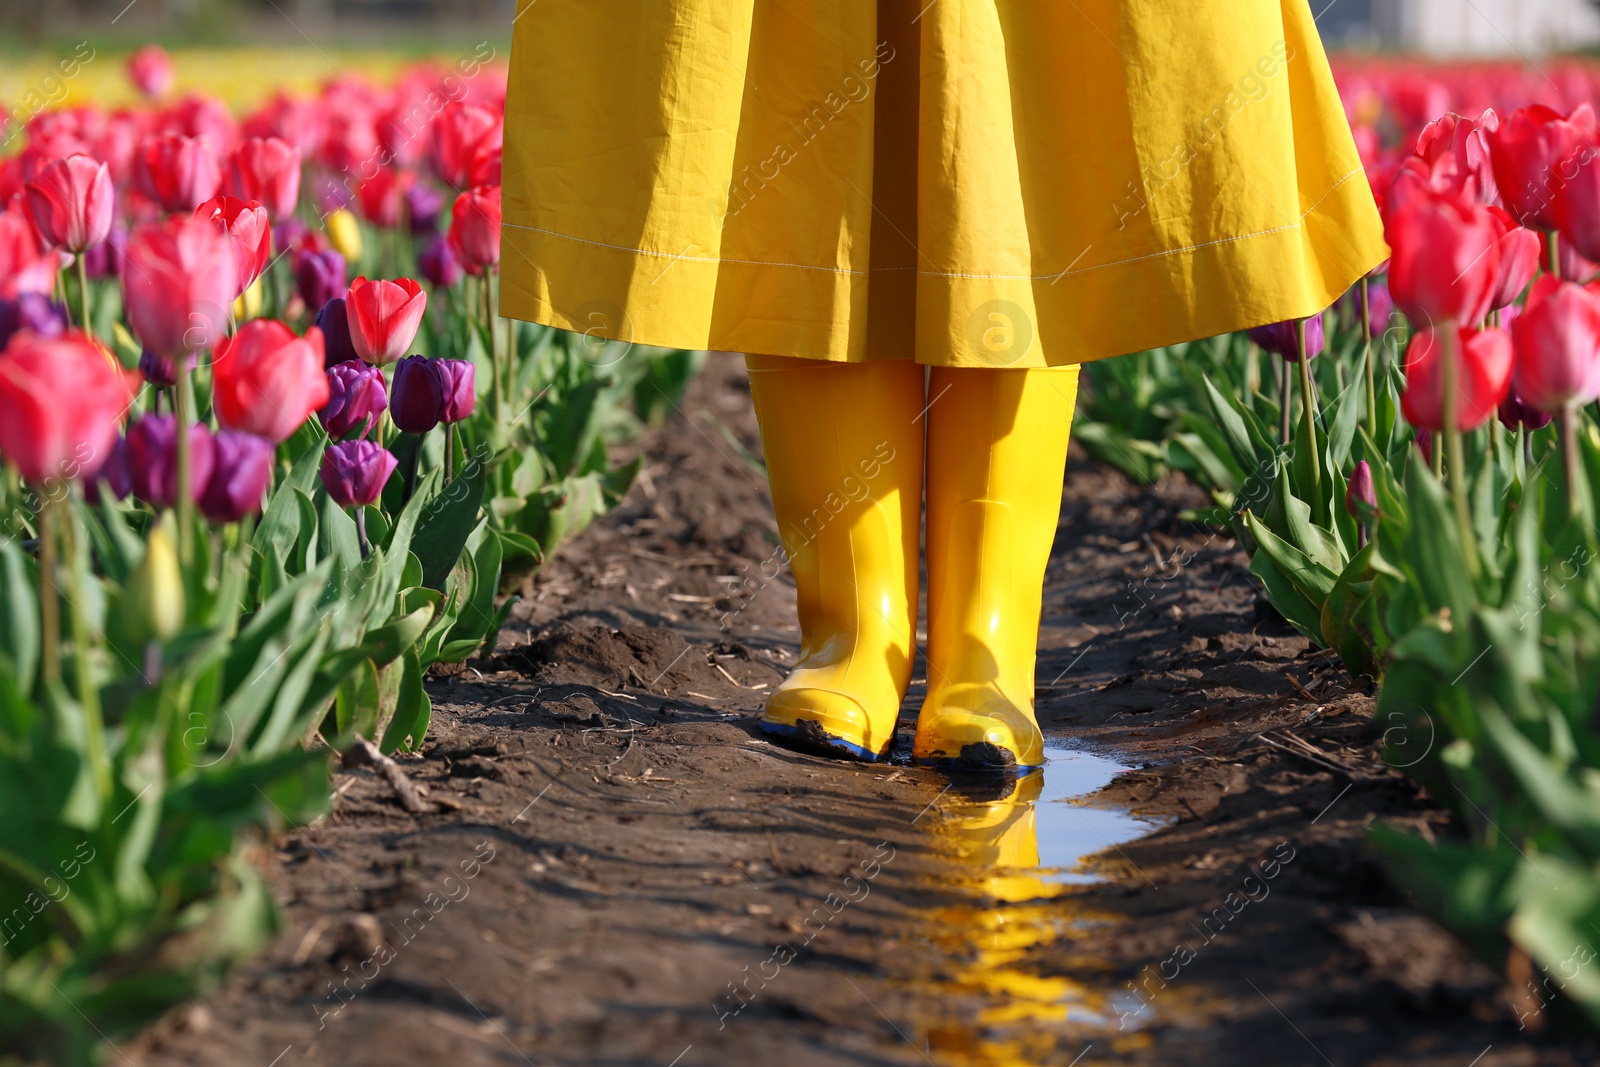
point(274, 466)
point(259, 480)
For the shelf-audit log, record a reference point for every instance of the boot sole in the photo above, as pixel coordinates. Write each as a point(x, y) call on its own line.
point(982, 758)
point(807, 735)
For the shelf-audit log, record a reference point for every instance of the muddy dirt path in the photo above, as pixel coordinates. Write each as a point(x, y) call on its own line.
point(621, 871)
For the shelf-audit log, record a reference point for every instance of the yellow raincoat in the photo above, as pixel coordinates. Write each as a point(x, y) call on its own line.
point(1019, 183)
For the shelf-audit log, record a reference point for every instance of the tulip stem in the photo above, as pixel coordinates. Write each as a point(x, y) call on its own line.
point(449, 452)
point(1450, 342)
point(1569, 457)
point(88, 692)
point(83, 295)
point(1308, 420)
point(1285, 405)
point(1372, 370)
point(180, 407)
point(1553, 258)
point(361, 531)
point(49, 593)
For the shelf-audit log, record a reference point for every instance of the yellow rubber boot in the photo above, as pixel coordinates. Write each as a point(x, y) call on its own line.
point(844, 449)
point(997, 451)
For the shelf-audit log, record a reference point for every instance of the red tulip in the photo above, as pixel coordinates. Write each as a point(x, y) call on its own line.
point(1519, 259)
point(72, 201)
point(150, 70)
point(475, 228)
point(1446, 258)
point(459, 133)
point(1558, 345)
point(179, 281)
point(486, 166)
point(1483, 377)
point(247, 225)
point(267, 381)
point(25, 265)
point(1456, 150)
point(179, 173)
point(382, 196)
point(63, 399)
point(384, 317)
point(1528, 151)
point(267, 170)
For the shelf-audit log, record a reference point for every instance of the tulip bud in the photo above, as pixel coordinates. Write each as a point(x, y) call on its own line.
point(152, 445)
point(439, 265)
point(181, 279)
point(1527, 149)
point(1519, 260)
point(357, 398)
point(344, 233)
point(424, 204)
point(382, 196)
point(475, 228)
point(459, 380)
point(33, 312)
point(246, 224)
point(1446, 259)
point(320, 277)
point(241, 470)
point(1558, 346)
point(460, 132)
point(355, 472)
point(1281, 338)
point(153, 603)
point(1518, 414)
point(62, 402)
point(418, 394)
point(179, 173)
point(267, 170)
point(1361, 498)
point(150, 70)
point(334, 323)
point(113, 474)
point(1483, 375)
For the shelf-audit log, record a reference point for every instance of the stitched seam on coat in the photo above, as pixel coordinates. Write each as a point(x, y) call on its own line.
point(678, 256)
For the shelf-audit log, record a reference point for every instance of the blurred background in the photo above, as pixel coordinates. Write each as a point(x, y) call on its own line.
point(1439, 27)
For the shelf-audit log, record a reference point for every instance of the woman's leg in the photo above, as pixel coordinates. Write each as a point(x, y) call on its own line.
point(844, 446)
point(997, 450)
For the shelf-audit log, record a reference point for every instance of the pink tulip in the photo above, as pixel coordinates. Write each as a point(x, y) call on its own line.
point(26, 266)
point(62, 400)
point(1483, 377)
point(1528, 151)
point(1558, 346)
point(475, 228)
point(150, 69)
point(1519, 259)
point(1446, 258)
point(179, 281)
point(179, 173)
point(247, 225)
point(384, 317)
point(1462, 147)
point(267, 381)
point(72, 201)
point(267, 170)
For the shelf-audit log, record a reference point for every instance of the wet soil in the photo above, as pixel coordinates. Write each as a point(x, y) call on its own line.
point(622, 871)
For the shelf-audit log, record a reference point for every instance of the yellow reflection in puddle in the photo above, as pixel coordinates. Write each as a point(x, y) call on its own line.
point(1002, 1012)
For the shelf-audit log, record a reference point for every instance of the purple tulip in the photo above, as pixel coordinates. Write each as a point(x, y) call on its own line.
point(34, 312)
point(355, 472)
point(357, 397)
point(424, 204)
point(459, 378)
point(334, 322)
point(320, 277)
point(1361, 498)
point(439, 264)
point(241, 469)
point(288, 233)
point(419, 392)
point(1517, 414)
point(1380, 307)
point(152, 457)
point(105, 259)
point(113, 474)
point(1279, 338)
point(160, 371)
point(1424, 442)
